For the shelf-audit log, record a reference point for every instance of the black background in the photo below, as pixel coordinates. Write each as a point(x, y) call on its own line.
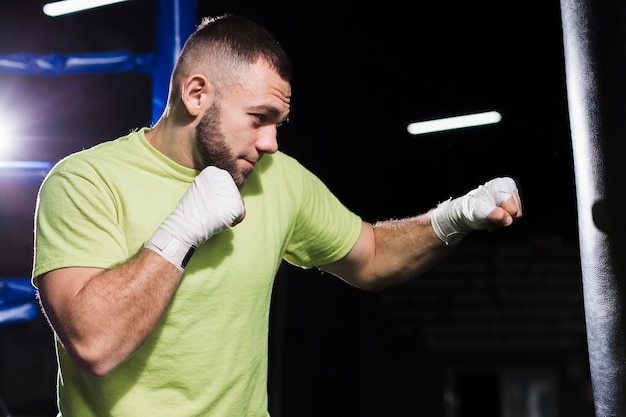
point(362, 73)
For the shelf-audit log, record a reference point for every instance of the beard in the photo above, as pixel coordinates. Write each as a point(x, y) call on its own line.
point(213, 148)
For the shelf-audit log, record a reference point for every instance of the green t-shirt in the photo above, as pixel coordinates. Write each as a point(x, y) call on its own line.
point(208, 356)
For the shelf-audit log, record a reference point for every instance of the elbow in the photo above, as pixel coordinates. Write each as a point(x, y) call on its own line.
point(368, 285)
point(360, 281)
point(92, 358)
point(97, 369)
point(363, 283)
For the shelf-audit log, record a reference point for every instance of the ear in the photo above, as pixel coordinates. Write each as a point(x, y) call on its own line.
point(197, 94)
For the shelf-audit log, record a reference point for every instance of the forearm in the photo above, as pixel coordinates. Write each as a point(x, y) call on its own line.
point(394, 251)
point(103, 316)
point(389, 253)
point(113, 312)
point(405, 249)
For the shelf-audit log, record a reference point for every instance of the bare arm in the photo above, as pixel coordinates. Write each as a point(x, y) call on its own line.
point(103, 316)
point(389, 253)
point(395, 251)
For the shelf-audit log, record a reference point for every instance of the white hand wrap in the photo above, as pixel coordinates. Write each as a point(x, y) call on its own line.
point(453, 219)
point(211, 204)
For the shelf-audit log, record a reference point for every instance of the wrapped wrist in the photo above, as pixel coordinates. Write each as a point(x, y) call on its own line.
point(171, 248)
point(446, 225)
point(454, 218)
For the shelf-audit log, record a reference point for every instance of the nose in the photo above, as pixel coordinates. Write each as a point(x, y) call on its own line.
point(267, 142)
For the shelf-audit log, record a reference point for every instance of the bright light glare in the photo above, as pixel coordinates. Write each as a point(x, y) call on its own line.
point(63, 7)
point(7, 137)
point(456, 122)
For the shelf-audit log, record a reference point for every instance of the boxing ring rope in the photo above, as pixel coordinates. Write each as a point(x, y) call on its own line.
point(176, 19)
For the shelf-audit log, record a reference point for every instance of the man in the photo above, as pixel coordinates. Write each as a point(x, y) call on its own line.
point(155, 254)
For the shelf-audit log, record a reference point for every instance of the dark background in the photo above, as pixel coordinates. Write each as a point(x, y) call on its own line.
point(497, 330)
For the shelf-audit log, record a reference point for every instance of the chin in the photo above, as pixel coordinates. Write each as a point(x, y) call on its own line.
point(241, 179)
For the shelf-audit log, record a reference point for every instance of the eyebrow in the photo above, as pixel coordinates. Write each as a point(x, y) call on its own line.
point(272, 110)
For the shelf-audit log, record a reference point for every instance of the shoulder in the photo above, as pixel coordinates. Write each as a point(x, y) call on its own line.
point(92, 159)
point(282, 173)
point(283, 165)
point(279, 160)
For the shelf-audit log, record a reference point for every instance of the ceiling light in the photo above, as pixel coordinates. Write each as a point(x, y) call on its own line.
point(456, 122)
point(59, 8)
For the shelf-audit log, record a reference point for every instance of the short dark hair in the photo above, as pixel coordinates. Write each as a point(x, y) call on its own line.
point(222, 44)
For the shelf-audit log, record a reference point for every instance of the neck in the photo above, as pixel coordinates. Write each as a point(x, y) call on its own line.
point(173, 142)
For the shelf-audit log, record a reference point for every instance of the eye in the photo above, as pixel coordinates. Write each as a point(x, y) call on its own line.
point(261, 119)
point(282, 122)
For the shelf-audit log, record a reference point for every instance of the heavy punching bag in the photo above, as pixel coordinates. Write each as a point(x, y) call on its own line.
point(594, 40)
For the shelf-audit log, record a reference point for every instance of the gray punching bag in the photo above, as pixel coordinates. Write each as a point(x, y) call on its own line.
point(594, 39)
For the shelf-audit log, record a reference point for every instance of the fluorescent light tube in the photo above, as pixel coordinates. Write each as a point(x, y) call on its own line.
point(63, 7)
point(456, 122)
